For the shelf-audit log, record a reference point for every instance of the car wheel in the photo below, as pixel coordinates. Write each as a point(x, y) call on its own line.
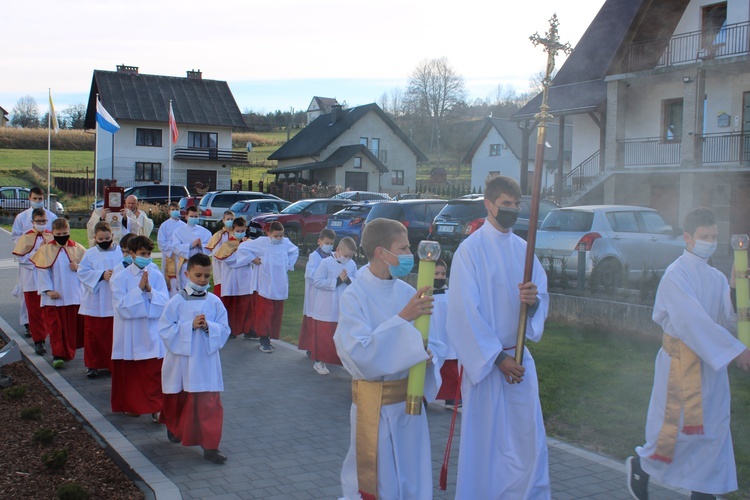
point(608, 273)
point(293, 234)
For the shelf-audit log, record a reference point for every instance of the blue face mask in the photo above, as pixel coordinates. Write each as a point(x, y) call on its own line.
point(274, 241)
point(197, 288)
point(228, 223)
point(127, 260)
point(704, 249)
point(404, 267)
point(142, 261)
point(36, 204)
point(326, 248)
point(192, 221)
point(175, 214)
point(239, 236)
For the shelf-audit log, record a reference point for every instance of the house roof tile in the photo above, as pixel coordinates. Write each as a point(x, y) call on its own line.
point(336, 159)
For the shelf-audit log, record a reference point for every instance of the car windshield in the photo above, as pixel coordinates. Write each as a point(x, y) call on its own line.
point(463, 210)
point(568, 220)
point(297, 207)
point(355, 211)
point(204, 201)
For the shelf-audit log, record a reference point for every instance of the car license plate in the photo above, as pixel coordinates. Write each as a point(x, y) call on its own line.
point(336, 223)
point(446, 229)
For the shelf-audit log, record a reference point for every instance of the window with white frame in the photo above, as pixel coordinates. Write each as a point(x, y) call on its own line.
point(147, 171)
point(397, 179)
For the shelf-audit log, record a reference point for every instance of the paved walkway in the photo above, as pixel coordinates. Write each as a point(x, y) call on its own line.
point(286, 429)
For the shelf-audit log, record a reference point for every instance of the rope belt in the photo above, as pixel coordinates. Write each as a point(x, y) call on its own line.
point(683, 397)
point(369, 397)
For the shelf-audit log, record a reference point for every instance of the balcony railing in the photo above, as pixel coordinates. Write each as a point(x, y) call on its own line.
point(577, 178)
point(210, 154)
point(651, 151)
point(731, 147)
point(730, 40)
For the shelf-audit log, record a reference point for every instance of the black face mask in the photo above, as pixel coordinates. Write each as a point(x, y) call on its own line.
point(62, 240)
point(439, 283)
point(506, 217)
point(104, 245)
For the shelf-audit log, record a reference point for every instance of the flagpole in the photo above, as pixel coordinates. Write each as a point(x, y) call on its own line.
point(169, 168)
point(96, 155)
point(49, 152)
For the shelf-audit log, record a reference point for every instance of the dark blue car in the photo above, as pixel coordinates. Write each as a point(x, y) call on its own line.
point(349, 221)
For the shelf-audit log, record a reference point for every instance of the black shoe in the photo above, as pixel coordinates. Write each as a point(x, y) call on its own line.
point(174, 439)
point(27, 333)
point(637, 479)
point(697, 495)
point(250, 336)
point(265, 345)
point(214, 456)
point(39, 348)
point(92, 373)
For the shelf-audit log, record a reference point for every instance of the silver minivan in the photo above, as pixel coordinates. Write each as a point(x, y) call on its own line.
point(616, 238)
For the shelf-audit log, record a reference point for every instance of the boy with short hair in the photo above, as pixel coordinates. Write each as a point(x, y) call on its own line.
point(187, 241)
point(139, 294)
point(94, 272)
point(127, 259)
point(688, 438)
point(219, 238)
point(389, 455)
point(194, 328)
point(164, 239)
point(274, 255)
point(326, 239)
point(240, 280)
point(26, 246)
point(450, 392)
point(56, 264)
point(330, 280)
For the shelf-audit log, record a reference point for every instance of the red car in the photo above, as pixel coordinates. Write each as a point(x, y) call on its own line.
point(302, 220)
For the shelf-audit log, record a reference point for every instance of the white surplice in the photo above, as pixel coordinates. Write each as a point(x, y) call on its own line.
point(327, 290)
point(217, 270)
point(142, 224)
point(137, 313)
point(60, 278)
point(27, 269)
point(96, 297)
point(23, 223)
point(240, 274)
point(164, 239)
point(693, 304)
point(192, 361)
point(180, 245)
point(313, 261)
point(275, 261)
point(376, 344)
point(503, 451)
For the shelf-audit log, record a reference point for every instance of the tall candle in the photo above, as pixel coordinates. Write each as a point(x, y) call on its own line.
point(742, 284)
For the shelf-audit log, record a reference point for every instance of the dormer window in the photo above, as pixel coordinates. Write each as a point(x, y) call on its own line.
point(495, 149)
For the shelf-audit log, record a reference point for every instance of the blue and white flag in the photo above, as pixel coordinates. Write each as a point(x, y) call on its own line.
point(105, 120)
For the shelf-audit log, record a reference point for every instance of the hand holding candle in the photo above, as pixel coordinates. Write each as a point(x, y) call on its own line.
point(429, 252)
point(740, 243)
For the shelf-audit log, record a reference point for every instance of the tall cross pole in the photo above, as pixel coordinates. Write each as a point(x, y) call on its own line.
point(552, 46)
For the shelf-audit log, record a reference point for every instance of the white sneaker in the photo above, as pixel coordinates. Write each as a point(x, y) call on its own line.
point(321, 368)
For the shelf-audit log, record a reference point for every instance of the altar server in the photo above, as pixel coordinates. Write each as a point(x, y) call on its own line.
point(164, 239)
point(220, 237)
point(187, 241)
point(240, 280)
point(326, 239)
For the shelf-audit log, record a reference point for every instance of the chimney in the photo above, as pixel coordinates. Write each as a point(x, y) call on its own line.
point(335, 113)
point(127, 70)
point(194, 75)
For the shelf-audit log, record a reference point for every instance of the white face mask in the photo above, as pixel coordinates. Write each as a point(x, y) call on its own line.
point(704, 249)
point(343, 260)
point(40, 227)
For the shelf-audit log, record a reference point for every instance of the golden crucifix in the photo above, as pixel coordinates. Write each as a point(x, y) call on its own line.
point(552, 46)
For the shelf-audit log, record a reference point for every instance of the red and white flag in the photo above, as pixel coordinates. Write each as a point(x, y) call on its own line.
point(173, 125)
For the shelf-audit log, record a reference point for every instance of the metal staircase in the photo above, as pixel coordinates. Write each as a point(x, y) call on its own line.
point(579, 181)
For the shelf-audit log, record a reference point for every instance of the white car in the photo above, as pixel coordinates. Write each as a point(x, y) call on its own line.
point(16, 199)
point(615, 237)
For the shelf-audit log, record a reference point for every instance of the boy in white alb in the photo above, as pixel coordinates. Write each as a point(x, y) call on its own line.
point(56, 265)
point(219, 238)
point(194, 328)
point(326, 238)
point(95, 271)
point(330, 280)
point(688, 438)
point(389, 455)
point(127, 259)
point(139, 294)
point(274, 255)
point(187, 241)
point(450, 392)
point(164, 239)
point(26, 246)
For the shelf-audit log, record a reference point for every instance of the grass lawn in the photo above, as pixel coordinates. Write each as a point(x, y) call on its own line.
point(62, 161)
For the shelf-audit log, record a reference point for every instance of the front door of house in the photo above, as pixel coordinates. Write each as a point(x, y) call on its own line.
point(199, 182)
point(356, 181)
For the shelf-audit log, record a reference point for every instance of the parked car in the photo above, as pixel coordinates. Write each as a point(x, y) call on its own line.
point(361, 196)
point(416, 215)
point(462, 216)
point(616, 238)
point(302, 220)
point(350, 221)
point(188, 201)
point(156, 194)
point(253, 208)
point(213, 204)
point(16, 199)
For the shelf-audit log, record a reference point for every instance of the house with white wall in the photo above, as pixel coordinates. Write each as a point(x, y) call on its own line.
point(320, 106)
point(359, 148)
point(658, 93)
point(3, 118)
point(139, 153)
point(498, 149)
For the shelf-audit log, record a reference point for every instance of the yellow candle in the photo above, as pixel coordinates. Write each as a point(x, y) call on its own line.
point(429, 251)
point(742, 284)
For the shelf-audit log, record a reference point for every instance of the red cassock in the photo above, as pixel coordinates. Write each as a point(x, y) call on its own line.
point(322, 347)
point(305, 341)
point(65, 328)
point(37, 325)
point(449, 374)
point(97, 342)
point(240, 310)
point(195, 418)
point(268, 317)
point(136, 386)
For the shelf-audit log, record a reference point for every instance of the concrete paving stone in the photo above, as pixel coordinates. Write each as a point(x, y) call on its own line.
point(563, 495)
point(203, 492)
point(227, 496)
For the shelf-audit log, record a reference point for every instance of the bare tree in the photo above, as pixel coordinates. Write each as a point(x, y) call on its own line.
point(75, 116)
point(383, 102)
point(397, 102)
point(25, 113)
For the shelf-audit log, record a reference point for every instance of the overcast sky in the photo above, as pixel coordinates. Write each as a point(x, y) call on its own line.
point(277, 54)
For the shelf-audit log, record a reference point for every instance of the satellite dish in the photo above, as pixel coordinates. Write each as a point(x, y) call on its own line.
point(249, 146)
point(546, 145)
